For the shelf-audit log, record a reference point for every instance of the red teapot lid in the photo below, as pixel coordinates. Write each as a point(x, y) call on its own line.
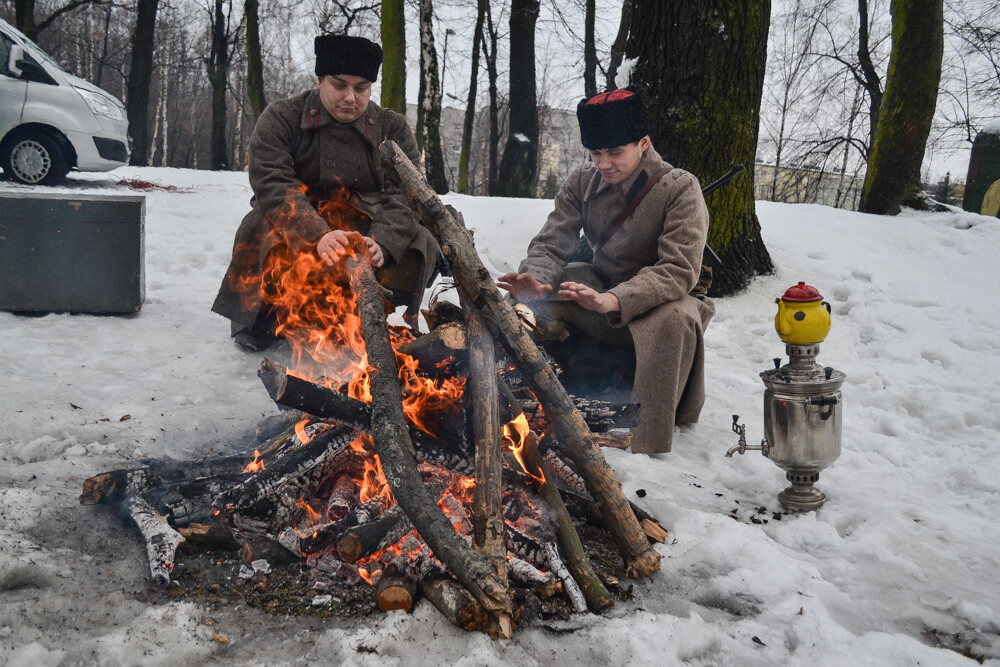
point(801, 293)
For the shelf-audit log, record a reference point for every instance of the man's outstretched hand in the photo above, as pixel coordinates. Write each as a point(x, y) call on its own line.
point(523, 287)
point(336, 245)
point(589, 298)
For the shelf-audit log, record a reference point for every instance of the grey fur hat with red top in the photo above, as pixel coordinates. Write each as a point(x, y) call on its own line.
point(613, 118)
point(346, 54)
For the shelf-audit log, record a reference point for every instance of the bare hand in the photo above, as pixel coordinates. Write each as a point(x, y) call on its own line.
point(523, 287)
point(589, 298)
point(336, 245)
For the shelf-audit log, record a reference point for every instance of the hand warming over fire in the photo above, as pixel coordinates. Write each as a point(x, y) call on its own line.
point(523, 286)
point(589, 298)
point(336, 245)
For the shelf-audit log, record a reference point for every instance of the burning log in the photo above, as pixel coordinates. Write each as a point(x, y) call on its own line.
point(478, 289)
point(363, 540)
point(441, 348)
point(161, 539)
point(395, 590)
point(398, 458)
point(325, 403)
point(455, 603)
point(307, 458)
point(596, 595)
point(487, 504)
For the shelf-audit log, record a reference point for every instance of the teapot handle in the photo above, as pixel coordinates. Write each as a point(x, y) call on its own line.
point(784, 326)
point(827, 306)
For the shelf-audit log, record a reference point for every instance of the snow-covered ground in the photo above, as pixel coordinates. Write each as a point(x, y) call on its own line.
point(904, 557)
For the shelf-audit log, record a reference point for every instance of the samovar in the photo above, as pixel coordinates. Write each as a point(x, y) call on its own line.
point(802, 401)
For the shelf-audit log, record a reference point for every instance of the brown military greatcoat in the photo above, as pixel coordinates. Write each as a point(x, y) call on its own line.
point(300, 152)
point(651, 264)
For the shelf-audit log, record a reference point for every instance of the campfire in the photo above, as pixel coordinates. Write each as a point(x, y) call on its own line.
point(449, 465)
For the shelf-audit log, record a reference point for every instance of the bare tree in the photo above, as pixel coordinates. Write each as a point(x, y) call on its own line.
point(618, 48)
point(429, 103)
point(139, 78)
point(470, 104)
point(223, 36)
point(904, 120)
point(394, 61)
point(255, 63)
point(520, 156)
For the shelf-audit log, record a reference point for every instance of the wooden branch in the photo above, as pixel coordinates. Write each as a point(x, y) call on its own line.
point(455, 603)
point(596, 595)
point(487, 503)
point(477, 287)
point(573, 592)
point(398, 458)
point(161, 539)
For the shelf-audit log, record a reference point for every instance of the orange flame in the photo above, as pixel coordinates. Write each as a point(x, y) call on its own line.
point(311, 515)
point(520, 425)
point(372, 483)
point(300, 431)
point(256, 465)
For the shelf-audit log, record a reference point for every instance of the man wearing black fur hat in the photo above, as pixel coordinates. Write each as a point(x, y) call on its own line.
point(316, 152)
point(646, 223)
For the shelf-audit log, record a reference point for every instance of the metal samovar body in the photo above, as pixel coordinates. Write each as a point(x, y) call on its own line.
point(802, 403)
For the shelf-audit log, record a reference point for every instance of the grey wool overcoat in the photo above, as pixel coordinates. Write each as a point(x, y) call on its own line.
point(651, 264)
point(299, 154)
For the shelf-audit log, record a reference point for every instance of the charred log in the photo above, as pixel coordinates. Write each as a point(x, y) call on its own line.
point(477, 288)
point(395, 450)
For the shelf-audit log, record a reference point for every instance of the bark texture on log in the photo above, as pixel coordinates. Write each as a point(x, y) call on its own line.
point(596, 595)
point(444, 346)
point(478, 288)
point(487, 504)
point(455, 603)
point(161, 539)
point(398, 458)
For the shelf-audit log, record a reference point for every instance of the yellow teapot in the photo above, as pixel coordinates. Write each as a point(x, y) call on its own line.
point(803, 317)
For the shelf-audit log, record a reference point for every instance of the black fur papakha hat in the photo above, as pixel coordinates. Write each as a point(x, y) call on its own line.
point(345, 54)
point(613, 118)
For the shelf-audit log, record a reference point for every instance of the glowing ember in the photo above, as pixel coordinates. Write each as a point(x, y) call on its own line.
point(256, 465)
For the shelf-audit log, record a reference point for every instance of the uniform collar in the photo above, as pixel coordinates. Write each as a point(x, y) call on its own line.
point(315, 116)
point(649, 164)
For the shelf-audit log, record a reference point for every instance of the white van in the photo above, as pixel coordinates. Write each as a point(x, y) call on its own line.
point(52, 121)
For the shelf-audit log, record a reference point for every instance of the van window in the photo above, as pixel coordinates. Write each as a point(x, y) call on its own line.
point(5, 44)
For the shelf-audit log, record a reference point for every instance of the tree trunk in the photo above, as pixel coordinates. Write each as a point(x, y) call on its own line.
point(218, 70)
point(430, 102)
point(139, 77)
point(904, 121)
point(870, 79)
point(520, 155)
point(492, 179)
point(24, 17)
point(394, 56)
point(702, 67)
point(618, 48)
point(470, 103)
point(255, 65)
point(589, 50)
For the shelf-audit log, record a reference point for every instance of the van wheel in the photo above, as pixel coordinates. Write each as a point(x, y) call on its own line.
point(33, 158)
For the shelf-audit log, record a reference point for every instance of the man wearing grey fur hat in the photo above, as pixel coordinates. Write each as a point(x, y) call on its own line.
point(646, 223)
point(317, 152)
